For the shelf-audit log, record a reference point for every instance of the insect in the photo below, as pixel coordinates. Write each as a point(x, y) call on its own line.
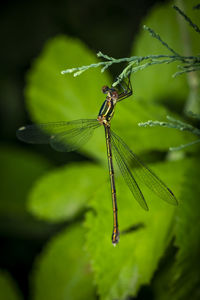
point(69, 136)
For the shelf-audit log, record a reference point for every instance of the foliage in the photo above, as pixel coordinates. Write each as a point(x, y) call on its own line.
point(132, 263)
point(8, 287)
point(19, 169)
point(178, 125)
point(58, 273)
point(79, 257)
point(63, 201)
point(187, 268)
point(181, 278)
point(136, 63)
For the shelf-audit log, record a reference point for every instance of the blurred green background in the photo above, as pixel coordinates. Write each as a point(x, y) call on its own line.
point(55, 208)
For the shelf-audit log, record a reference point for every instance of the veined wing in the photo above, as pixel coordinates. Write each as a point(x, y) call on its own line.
point(62, 136)
point(127, 175)
point(143, 173)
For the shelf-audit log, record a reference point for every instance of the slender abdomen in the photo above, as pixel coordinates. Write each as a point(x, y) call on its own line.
point(115, 234)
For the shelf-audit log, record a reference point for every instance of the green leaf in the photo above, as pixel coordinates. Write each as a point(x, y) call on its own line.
point(62, 271)
point(64, 192)
point(180, 279)
point(18, 171)
point(121, 271)
point(8, 288)
point(54, 97)
point(161, 282)
point(186, 272)
point(156, 83)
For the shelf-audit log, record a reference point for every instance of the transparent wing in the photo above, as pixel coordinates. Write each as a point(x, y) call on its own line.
point(62, 136)
point(142, 172)
point(127, 175)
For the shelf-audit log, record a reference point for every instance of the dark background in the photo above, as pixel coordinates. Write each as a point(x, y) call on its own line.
point(25, 26)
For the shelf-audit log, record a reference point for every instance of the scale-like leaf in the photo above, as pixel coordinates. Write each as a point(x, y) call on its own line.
point(156, 83)
point(55, 97)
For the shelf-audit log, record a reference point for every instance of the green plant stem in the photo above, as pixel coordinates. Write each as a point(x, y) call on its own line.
point(196, 28)
point(136, 63)
point(177, 124)
point(184, 146)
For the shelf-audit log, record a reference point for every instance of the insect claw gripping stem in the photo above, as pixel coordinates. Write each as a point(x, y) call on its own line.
point(127, 89)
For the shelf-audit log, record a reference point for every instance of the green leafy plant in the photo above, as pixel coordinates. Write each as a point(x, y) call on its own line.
point(136, 63)
point(81, 262)
point(177, 124)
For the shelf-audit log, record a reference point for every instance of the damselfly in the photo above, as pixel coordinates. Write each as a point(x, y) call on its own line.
point(69, 136)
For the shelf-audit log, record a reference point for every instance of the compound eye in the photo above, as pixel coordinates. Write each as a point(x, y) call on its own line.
point(105, 89)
